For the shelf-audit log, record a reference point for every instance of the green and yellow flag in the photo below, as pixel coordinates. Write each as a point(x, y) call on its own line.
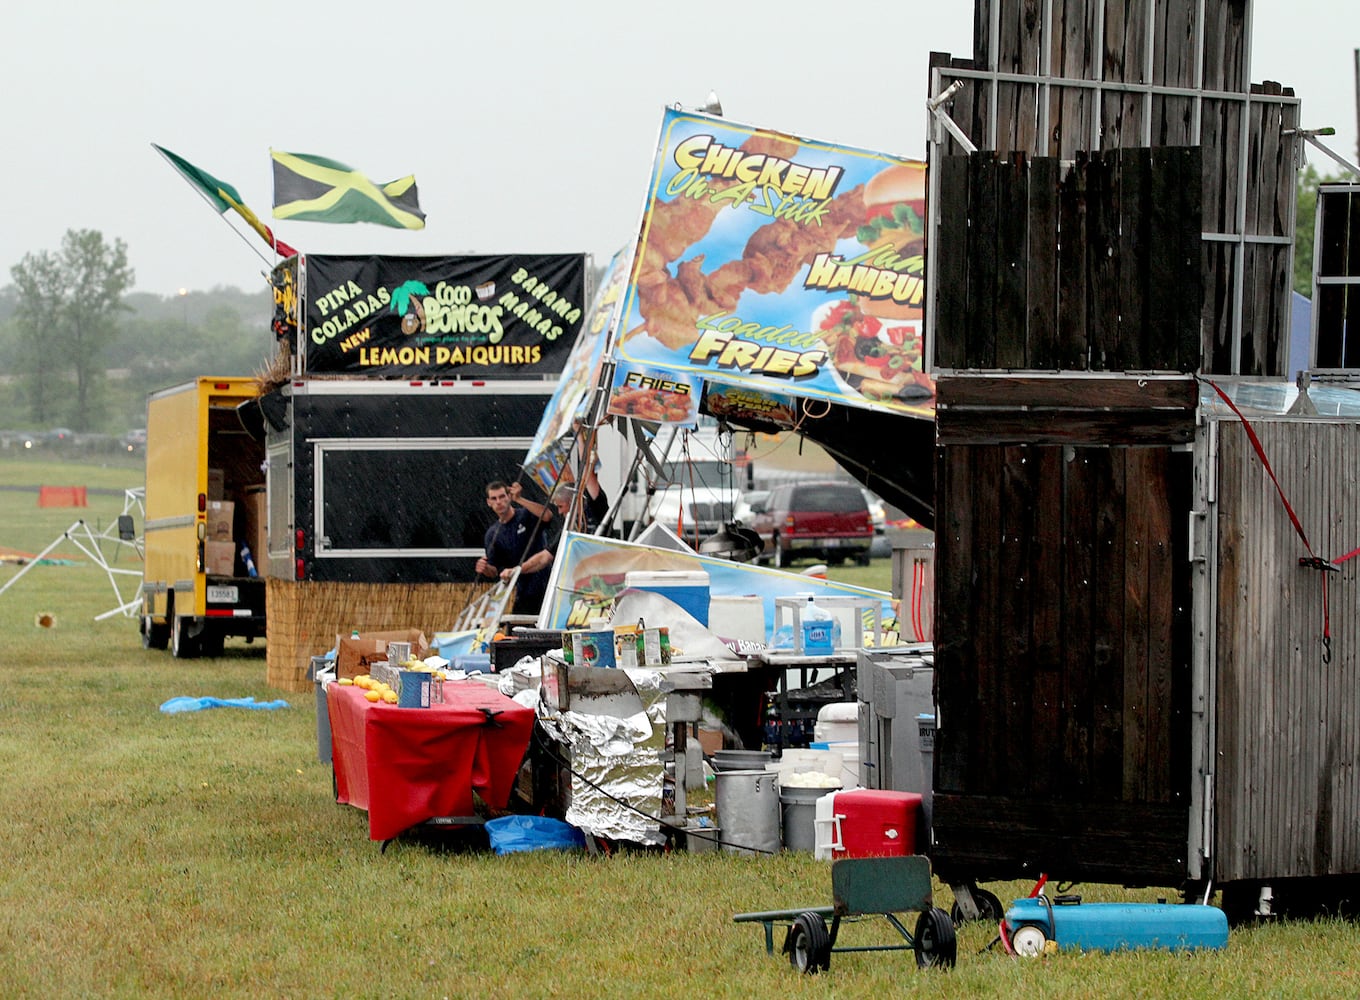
point(223, 196)
point(314, 189)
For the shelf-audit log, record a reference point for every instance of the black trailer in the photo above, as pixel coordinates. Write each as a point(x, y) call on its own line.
point(379, 481)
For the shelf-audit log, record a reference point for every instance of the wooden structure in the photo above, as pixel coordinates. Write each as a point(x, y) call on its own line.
point(1068, 77)
point(1128, 653)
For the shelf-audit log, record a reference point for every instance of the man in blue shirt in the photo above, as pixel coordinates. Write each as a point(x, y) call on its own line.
point(515, 539)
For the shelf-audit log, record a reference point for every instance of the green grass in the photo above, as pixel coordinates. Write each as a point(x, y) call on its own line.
point(203, 855)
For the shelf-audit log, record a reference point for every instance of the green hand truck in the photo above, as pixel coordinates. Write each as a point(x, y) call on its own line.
point(865, 887)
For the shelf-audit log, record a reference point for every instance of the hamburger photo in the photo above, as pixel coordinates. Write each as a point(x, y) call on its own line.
point(895, 208)
point(895, 218)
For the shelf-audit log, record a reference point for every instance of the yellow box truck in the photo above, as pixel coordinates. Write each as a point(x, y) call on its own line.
point(204, 473)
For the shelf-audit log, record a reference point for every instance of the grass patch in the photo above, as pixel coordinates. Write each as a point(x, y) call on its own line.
point(203, 854)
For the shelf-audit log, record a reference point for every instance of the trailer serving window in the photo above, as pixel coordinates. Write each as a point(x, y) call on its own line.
point(394, 498)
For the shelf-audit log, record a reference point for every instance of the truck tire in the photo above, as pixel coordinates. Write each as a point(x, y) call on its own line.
point(154, 636)
point(182, 645)
point(211, 643)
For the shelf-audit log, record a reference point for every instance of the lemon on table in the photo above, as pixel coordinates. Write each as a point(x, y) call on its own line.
point(390, 696)
point(372, 695)
point(346, 681)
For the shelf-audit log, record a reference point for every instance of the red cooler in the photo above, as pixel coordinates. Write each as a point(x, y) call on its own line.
point(867, 823)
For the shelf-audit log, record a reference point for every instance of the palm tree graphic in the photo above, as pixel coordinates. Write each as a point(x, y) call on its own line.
point(407, 296)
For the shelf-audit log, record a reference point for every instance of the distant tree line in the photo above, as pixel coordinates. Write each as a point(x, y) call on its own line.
point(80, 349)
point(1306, 226)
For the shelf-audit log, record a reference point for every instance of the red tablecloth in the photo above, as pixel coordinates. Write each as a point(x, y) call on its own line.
point(409, 765)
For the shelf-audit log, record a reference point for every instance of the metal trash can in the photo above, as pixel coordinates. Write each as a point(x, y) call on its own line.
point(925, 725)
point(748, 811)
point(322, 670)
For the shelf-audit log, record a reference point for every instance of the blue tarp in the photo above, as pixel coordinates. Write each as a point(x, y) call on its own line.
point(185, 703)
point(510, 834)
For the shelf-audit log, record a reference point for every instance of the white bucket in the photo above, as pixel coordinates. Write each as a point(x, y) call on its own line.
point(837, 723)
point(797, 760)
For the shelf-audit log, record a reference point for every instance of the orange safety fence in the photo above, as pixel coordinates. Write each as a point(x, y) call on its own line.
point(62, 496)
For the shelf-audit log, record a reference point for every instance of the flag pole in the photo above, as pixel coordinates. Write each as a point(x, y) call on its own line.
point(222, 214)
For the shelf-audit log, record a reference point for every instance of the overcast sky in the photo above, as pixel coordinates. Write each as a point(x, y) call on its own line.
point(529, 124)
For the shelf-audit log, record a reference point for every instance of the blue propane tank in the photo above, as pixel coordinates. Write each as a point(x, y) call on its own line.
point(1037, 924)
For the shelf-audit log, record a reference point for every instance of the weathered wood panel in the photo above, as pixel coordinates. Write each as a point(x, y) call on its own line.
point(1221, 131)
point(1115, 77)
point(1063, 426)
point(1096, 842)
point(1047, 587)
point(1103, 265)
point(1058, 603)
point(979, 317)
point(1287, 798)
point(1174, 266)
point(1041, 270)
point(951, 258)
point(1265, 325)
point(1126, 32)
point(1074, 51)
point(1064, 269)
point(1090, 393)
point(1176, 32)
point(1010, 309)
point(1225, 38)
point(1072, 350)
point(1220, 270)
point(1015, 607)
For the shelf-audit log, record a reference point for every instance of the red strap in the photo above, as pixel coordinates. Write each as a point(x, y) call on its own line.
point(918, 581)
point(1353, 552)
point(1312, 560)
point(1261, 454)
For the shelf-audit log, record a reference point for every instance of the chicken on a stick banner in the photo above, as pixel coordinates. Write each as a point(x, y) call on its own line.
point(551, 446)
point(420, 317)
point(785, 264)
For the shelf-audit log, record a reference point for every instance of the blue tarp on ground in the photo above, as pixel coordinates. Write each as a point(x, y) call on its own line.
point(186, 703)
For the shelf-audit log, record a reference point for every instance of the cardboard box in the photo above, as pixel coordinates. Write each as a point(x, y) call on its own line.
point(353, 656)
point(219, 558)
point(711, 740)
point(254, 522)
point(216, 485)
point(221, 514)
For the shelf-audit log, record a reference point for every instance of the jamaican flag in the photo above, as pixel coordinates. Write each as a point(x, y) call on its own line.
point(315, 189)
point(223, 196)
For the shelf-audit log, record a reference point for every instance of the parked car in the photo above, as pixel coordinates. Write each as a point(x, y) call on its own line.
point(135, 439)
point(877, 511)
point(749, 504)
point(827, 521)
point(693, 510)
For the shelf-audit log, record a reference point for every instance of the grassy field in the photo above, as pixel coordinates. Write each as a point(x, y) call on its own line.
point(203, 855)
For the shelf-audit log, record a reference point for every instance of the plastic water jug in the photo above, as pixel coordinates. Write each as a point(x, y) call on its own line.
point(818, 630)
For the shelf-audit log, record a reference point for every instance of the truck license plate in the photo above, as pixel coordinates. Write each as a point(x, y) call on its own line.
point(223, 595)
